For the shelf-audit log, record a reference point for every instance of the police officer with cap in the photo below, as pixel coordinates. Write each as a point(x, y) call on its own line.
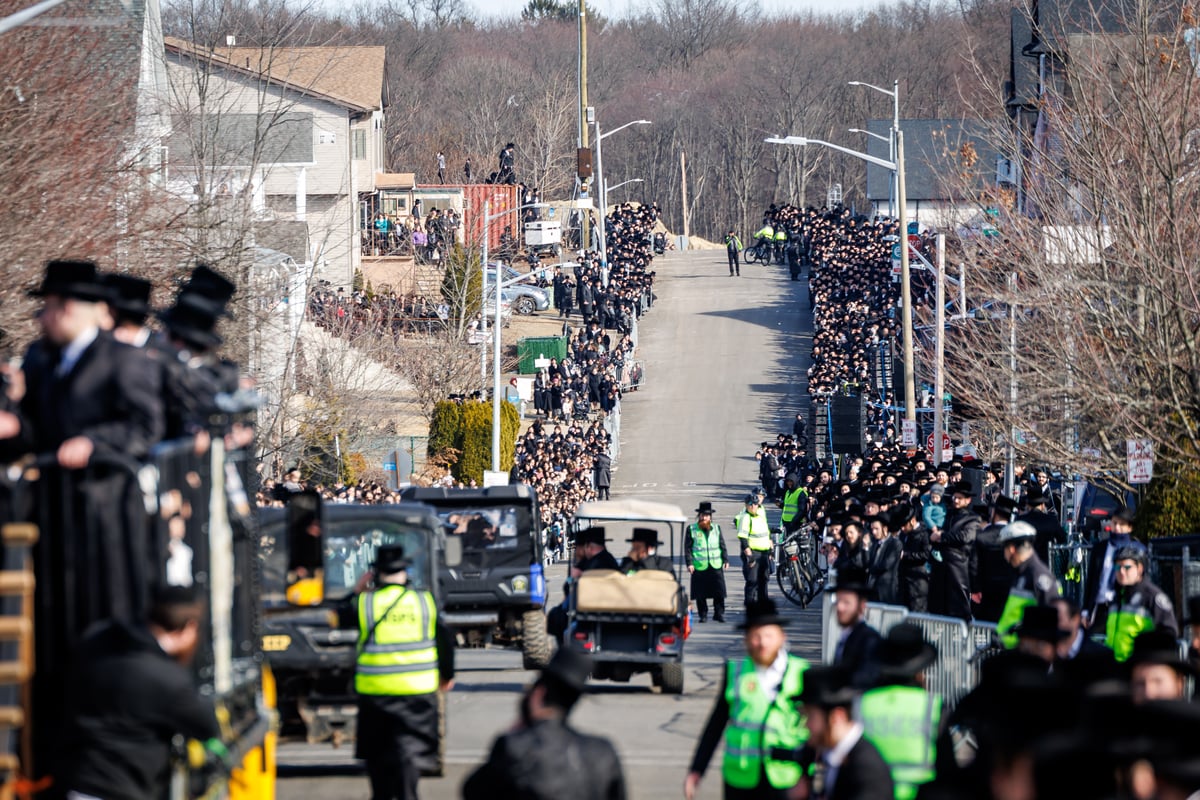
point(1138, 606)
point(530, 762)
point(1033, 584)
point(754, 540)
point(405, 657)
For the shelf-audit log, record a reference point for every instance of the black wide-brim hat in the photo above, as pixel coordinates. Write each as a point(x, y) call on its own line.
point(569, 668)
point(762, 612)
point(593, 535)
point(191, 324)
point(1159, 647)
point(647, 536)
point(705, 507)
point(128, 295)
point(75, 279)
point(390, 558)
point(851, 579)
point(1041, 623)
point(905, 652)
point(826, 686)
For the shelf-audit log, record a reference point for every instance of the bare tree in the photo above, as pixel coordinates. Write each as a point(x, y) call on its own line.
point(1092, 288)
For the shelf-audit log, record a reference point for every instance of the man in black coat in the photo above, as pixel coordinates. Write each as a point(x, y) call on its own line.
point(602, 475)
point(885, 556)
point(129, 696)
point(1049, 529)
point(914, 565)
point(851, 767)
point(991, 574)
point(951, 591)
point(89, 401)
point(858, 642)
point(543, 758)
point(643, 553)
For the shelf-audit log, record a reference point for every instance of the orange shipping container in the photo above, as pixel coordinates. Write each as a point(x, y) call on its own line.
point(505, 200)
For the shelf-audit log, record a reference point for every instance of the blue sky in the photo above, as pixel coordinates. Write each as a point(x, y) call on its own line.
point(618, 8)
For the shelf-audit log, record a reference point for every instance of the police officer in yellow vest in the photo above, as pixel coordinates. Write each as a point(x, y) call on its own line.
point(899, 716)
point(1138, 605)
point(754, 543)
point(405, 657)
point(795, 502)
point(707, 561)
point(756, 714)
point(1034, 583)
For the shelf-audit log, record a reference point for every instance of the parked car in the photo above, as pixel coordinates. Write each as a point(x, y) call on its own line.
point(525, 298)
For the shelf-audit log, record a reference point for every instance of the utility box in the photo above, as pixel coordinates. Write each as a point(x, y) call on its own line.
point(543, 233)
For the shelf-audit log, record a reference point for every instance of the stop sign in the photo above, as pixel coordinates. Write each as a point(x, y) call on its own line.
point(946, 443)
point(914, 241)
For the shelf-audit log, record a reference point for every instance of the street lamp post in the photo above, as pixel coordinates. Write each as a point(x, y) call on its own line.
point(893, 145)
point(897, 166)
point(488, 216)
point(603, 193)
point(496, 326)
point(608, 188)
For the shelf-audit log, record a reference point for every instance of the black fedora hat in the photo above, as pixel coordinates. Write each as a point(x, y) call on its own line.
point(647, 536)
point(826, 686)
point(1159, 647)
point(208, 289)
point(1041, 623)
point(851, 579)
point(705, 507)
point(961, 487)
point(390, 558)
point(192, 325)
point(593, 535)
point(76, 279)
point(129, 296)
point(901, 515)
point(1034, 496)
point(904, 652)
point(569, 669)
point(762, 612)
point(1005, 505)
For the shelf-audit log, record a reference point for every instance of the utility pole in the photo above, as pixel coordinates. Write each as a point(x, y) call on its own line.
point(940, 356)
point(584, 230)
point(906, 314)
point(683, 187)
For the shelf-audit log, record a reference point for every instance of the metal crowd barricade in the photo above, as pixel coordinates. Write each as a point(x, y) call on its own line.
point(1173, 570)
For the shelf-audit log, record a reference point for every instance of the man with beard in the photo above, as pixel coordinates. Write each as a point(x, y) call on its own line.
point(991, 574)
point(704, 545)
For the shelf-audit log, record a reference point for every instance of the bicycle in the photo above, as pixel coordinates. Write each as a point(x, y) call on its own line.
point(799, 577)
point(760, 251)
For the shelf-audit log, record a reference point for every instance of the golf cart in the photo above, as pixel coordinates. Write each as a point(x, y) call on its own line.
point(498, 593)
point(313, 555)
point(632, 623)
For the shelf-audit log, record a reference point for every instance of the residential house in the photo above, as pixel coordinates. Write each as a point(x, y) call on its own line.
point(947, 162)
point(298, 132)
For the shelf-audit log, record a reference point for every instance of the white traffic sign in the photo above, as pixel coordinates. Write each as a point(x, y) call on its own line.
point(1140, 456)
point(908, 436)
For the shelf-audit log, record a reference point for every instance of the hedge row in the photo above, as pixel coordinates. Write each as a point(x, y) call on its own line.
point(467, 427)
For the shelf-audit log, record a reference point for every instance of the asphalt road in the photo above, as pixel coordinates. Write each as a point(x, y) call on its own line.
point(725, 360)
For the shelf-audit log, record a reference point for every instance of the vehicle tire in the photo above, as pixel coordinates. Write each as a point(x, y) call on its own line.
point(536, 647)
point(672, 677)
point(792, 583)
point(524, 306)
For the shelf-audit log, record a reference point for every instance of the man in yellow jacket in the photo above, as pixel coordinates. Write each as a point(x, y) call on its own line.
point(756, 715)
point(405, 657)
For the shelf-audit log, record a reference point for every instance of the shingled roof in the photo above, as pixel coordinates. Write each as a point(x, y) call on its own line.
point(348, 76)
point(934, 167)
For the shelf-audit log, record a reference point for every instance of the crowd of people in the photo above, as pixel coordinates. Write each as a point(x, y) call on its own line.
point(355, 313)
point(567, 455)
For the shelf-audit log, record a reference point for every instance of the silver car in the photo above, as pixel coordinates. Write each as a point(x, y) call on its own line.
point(525, 298)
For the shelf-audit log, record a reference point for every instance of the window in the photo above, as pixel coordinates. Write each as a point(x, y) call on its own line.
point(360, 144)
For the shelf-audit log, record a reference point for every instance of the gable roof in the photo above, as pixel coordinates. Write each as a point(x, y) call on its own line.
point(352, 77)
point(932, 158)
